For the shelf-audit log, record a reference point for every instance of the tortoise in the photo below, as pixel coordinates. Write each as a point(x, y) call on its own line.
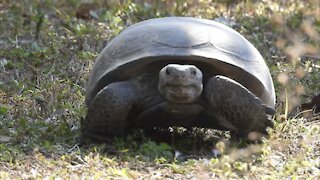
point(179, 71)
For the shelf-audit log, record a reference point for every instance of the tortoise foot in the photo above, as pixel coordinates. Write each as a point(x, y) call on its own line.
point(236, 104)
point(108, 111)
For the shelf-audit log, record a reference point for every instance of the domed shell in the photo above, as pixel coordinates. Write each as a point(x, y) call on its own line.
point(185, 40)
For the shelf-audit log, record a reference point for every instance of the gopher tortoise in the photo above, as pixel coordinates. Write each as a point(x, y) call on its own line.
point(179, 71)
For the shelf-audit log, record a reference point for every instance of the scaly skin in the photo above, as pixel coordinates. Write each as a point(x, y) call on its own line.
point(108, 112)
point(236, 104)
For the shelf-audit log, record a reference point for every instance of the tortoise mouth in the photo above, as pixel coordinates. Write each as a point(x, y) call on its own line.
point(181, 93)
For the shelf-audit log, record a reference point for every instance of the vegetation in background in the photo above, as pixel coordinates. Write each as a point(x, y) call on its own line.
point(48, 47)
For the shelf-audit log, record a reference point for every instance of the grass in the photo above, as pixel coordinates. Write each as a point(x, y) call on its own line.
point(46, 54)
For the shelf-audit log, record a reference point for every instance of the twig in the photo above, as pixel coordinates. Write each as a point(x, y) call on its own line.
point(75, 146)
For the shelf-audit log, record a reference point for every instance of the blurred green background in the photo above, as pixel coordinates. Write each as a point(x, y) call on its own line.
point(48, 47)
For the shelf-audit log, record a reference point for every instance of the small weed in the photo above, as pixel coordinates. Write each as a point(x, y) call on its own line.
point(151, 150)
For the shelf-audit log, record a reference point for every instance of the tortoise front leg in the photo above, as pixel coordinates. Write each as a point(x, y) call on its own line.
point(108, 112)
point(237, 105)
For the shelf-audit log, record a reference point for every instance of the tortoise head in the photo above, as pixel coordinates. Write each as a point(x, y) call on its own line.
point(180, 83)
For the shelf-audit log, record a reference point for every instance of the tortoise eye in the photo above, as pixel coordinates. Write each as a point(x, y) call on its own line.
point(193, 72)
point(167, 71)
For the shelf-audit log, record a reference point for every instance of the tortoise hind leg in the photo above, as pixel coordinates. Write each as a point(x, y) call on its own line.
point(108, 111)
point(237, 105)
